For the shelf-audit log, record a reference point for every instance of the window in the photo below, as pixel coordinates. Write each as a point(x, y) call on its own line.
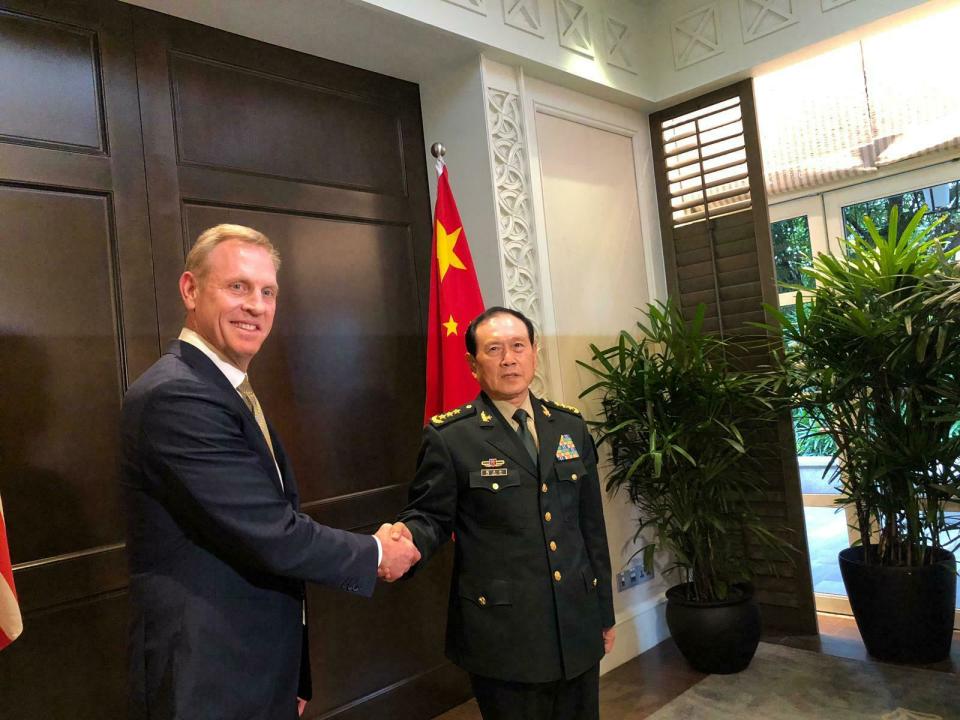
point(940, 199)
point(808, 222)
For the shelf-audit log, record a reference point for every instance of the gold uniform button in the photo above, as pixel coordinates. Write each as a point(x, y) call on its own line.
point(543, 488)
point(573, 477)
point(556, 575)
point(594, 582)
point(482, 600)
point(553, 545)
point(548, 517)
point(496, 486)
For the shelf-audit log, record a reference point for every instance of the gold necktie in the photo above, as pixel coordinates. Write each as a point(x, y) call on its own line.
point(246, 392)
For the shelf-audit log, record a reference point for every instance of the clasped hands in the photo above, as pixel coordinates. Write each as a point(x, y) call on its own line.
point(399, 552)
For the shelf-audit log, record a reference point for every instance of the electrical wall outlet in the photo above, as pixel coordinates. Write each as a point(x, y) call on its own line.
point(632, 575)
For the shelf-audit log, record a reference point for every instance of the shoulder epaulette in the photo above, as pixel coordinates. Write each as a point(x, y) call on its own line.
point(561, 406)
point(464, 411)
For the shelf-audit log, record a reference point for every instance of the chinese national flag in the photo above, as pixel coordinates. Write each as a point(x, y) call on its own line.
point(455, 300)
point(11, 625)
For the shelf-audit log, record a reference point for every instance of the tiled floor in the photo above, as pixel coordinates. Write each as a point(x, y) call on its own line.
point(643, 685)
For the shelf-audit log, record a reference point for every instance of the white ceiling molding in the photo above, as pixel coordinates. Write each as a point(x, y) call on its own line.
point(762, 17)
point(826, 5)
point(477, 6)
point(619, 44)
point(573, 25)
point(523, 15)
point(696, 36)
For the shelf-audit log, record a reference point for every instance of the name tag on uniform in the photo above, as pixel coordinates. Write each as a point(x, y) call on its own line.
point(497, 472)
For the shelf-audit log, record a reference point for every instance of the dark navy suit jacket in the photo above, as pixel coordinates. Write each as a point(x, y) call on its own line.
point(218, 552)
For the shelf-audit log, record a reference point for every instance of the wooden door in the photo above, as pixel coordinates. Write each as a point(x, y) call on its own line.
point(327, 160)
point(78, 324)
point(104, 107)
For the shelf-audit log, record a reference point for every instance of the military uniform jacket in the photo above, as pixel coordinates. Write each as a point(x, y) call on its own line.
point(530, 592)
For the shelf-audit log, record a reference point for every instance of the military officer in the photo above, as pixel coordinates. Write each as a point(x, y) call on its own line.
point(514, 479)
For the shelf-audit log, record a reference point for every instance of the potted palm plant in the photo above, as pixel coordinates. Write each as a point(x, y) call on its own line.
point(675, 413)
point(873, 358)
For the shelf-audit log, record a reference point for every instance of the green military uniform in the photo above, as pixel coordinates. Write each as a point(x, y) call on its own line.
point(531, 590)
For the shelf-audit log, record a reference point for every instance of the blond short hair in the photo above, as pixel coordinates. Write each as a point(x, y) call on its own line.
point(196, 262)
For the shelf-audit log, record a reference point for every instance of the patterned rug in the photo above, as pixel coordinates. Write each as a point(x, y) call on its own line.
point(783, 683)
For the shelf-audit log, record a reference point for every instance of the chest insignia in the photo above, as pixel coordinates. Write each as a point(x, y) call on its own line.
point(493, 463)
point(566, 450)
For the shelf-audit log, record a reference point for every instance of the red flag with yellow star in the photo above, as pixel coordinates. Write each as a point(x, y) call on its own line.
point(455, 300)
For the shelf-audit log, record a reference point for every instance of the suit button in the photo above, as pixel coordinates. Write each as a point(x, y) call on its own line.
point(543, 488)
point(482, 600)
point(496, 486)
point(547, 516)
point(573, 477)
point(556, 575)
point(553, 545)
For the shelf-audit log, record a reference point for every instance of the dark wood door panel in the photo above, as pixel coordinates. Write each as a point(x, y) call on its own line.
point(59, 102)
point(396, 638)
point(341, 376)
point(69, 664)
point(60, 368)
point(241, 119)
point(234, 122)
point(218, 187)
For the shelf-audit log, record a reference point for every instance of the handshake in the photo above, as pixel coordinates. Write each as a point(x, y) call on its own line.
point(399, 552)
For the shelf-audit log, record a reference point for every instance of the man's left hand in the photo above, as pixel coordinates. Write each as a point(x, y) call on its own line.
point(609, 637)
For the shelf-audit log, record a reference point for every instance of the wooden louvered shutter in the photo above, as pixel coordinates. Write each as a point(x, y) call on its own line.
point(717, 248)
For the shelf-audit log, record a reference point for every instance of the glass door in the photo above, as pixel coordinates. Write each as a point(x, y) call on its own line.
point(937, 187)
point(799, 233)
point(800, 229)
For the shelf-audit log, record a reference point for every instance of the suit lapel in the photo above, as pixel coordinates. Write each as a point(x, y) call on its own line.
point(502, 436)
point(548, 434)
point(203, 365)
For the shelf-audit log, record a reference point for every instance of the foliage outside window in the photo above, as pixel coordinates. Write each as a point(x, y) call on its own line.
point(791, 251)
point(942, 200)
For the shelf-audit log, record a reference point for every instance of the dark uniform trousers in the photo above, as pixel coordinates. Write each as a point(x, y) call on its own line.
point(576, 699)
point(531, 591)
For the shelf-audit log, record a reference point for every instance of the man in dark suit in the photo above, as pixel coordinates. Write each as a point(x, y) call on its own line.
point(218, 552)
point(514, 478)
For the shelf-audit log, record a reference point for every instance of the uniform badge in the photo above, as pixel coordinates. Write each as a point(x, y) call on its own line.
point(485, 416)
point(546, 411)
point(493, 463)
point(566, 450)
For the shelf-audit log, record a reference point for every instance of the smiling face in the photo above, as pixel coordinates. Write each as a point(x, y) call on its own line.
point(506, 359)
point(231, 304)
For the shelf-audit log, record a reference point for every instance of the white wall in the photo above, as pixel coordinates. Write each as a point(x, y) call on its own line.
point(452, 100)
point(412, 39)
point(596, 236)
point(597, 278)
point(577, 37)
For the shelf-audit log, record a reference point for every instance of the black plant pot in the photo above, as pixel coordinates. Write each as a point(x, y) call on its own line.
point(905, 614)
point(716, 637)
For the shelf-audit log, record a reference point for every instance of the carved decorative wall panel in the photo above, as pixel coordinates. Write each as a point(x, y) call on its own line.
point(696, 36)
point(522, 287)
